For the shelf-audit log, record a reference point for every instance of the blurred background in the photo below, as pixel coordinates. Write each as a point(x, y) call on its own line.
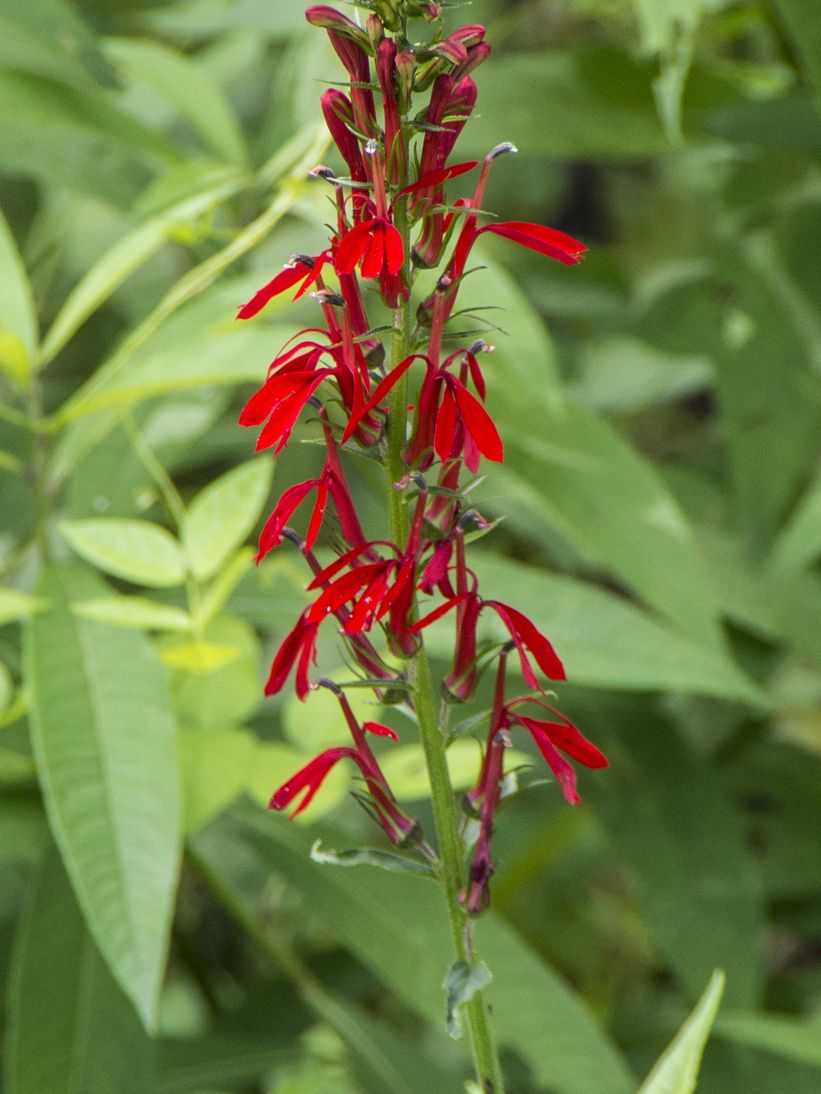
point(661, 497)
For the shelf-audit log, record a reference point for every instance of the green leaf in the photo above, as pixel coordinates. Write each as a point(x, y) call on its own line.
point(135, 550)
point(677, 1069)
point(135, 612)
point(187, 86)
point(662, 21)
point(461, 984)
point(369, 856)
point(222, 515)
point(234, 355)
point(18, 319)
point(48, 38)
point(104, 740)
point(578, 479)
point(71, 1028)
point(793, 1038)
point(602, 639)
point(799, 543)
point(406, 771)
point(667, 814)
point(77, 137)
point(17, 605)
point(801, 20)
point(397, 927)
point(126, 256)
point(592, 115)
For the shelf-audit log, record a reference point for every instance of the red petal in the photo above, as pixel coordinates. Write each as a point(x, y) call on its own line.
point(352, 246)
point(380, 730)
point(394, 249)
point(564, 772)
point(523, 631)
point(374, 254)
point(380, 391)
point(445, 426)
point(308, 778)
point(283, 280)
point(479, 424)
point(271, 534)
point(282, 420)
point(569, 739)
point(437, 613)
point(434, 178)
point(317, 515)
point(547, 241)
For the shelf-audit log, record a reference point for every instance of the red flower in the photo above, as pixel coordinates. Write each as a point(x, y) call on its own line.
point(304, 268)
point(377, 243)
point(298, 648)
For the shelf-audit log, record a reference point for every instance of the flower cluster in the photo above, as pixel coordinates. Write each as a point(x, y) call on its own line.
point(423, 414)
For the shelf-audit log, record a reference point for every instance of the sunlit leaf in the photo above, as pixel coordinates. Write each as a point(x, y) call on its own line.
point(103, 737)
point(677, 1070)
point(135, 550)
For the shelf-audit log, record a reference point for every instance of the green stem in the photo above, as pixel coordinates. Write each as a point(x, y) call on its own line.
point(450, 867)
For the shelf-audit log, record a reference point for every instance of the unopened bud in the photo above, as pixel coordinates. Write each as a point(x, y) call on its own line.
point(376, 32)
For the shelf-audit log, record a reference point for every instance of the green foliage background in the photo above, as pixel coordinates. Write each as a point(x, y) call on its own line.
point(161, 933)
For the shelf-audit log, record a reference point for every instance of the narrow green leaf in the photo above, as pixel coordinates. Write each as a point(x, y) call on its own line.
point(579, 479)
point(49, 38)
point(223, 514)
point(396, 925)
point(799, 542)
point(71, 1028)
point(104, 740)
point(135, 612)
point(18, 320)
point(603, 640)
point(135, 550)
point(126, 256)
point(461, 984)
point(794, 1038)
point(187, 86)
point(17, 605)
point(677, 1069)
point(369, 856)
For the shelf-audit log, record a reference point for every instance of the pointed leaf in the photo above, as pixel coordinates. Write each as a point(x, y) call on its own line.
point(71, 1028)
point(677, 1069)
point(369, 856)
point(18, 321)
point(135, 550)
point(223, 514)
point(134, 612)
point(104, 740)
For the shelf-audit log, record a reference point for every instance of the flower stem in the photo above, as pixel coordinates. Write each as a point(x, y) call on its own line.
point(451, 857)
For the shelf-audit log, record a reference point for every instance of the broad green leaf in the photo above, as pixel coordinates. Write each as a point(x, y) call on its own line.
point(233, 355)
point(77, 137)
point(405, 769)
point(216, 767)
point(222, 515)
point(670, 819)
point(48, 38)
point(187, 86)
point(135, 612)
point(796, 1039)
point(135, 550)
point(224, 695)
point(71, 1028)
point(197, 19)
point(764, 410)
point(396, 926)
point(677, 1069)
point(578, 479)
point(801, 20)
point(6, 688)
point(198, 657)
point(603, 640)
point(17, 605)
point(104, 740)
point(18, 320)
point(592, 115)
point(126, 256)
